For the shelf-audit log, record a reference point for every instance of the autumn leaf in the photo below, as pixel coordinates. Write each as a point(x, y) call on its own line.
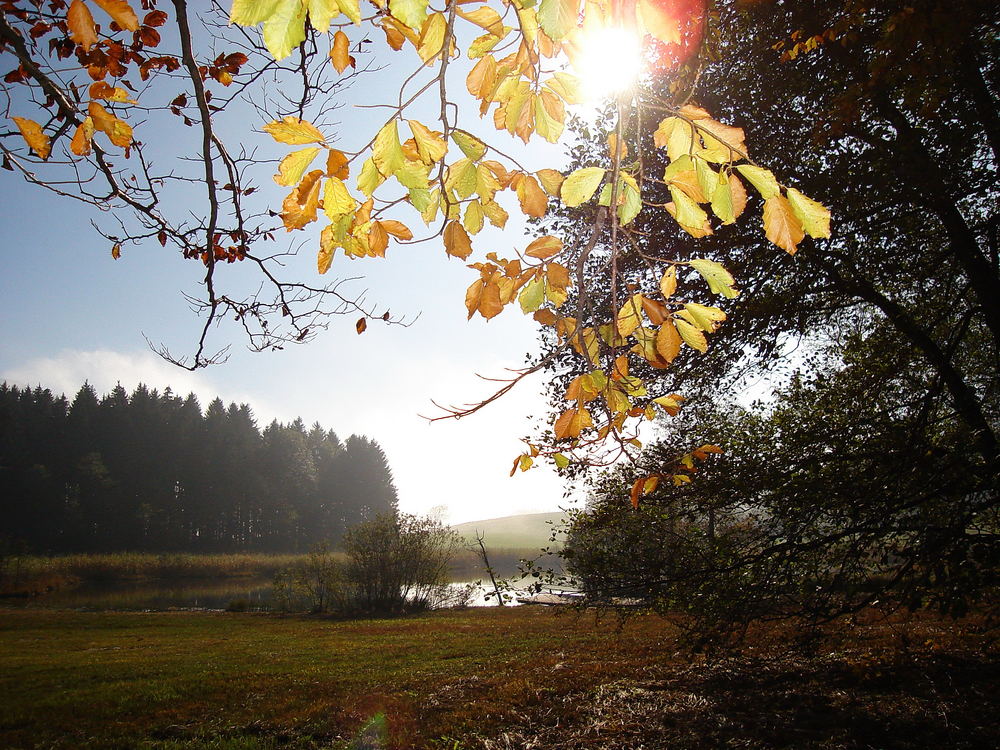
point(719, 280)
point(691, 335)
point(544, 247)
point(551, 181)
point(668, 282)
point(294, 165)
point(83, 137)
point(580, 186)
point(81, 25)
point(432, 36)
point(456, 240)
point(629, 317)
point(387, 150)
point(336, 165)
point(781, 225)
point(814, 216)
point(361, 325)
point(340, 54)
point(116, 251)
point(572, 422)
point(431, 145)
point(762, 179)
point(378, 239)
point(533, 200)
point(121, 12)
point(670, 404)
point(397, 229)
point(337, 201)
point(294, 132)
point(668, 342)
point(301, 205)
point(703, 316)
point(410, 12)
point(557, 17)
point(285, 28)
point(32, 133)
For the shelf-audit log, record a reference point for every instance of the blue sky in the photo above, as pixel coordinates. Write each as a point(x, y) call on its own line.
point(72, 313)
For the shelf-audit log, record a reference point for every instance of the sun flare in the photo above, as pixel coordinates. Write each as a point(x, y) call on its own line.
point(608, 61)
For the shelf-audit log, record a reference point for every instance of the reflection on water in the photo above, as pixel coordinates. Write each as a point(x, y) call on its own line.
point(245, 594)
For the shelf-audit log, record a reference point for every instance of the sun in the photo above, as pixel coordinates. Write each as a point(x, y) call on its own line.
point(608, 61)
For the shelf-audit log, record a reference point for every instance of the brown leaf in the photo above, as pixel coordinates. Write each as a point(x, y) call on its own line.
point(121, 12)
point(378, 239)
point(456, 240)
point(116, 252)
point(361, 325)
point(336, 165)
point(397, 229)
point(81, 25)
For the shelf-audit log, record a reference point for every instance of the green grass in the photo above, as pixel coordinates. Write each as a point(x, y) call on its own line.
point(528, 531)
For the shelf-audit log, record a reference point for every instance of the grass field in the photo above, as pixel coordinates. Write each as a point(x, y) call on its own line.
point(530, 531)
point(484, 678)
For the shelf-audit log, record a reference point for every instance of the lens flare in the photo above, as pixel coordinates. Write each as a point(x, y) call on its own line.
point(608, 61)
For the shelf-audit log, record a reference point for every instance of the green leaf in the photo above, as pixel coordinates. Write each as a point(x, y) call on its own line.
point(815, 217)
point(581, 185)
point(532, 295)
point(471, 146)
point(703, 316)
point(420, 199)
point(462, 177)
point(760, 178)
point(566, 86)
point(720, 281)
point(631, 204)
point(722, 199)
point(387, 151)
point(545, 125)
point(473, 221)
point(252, 12)
point(689, 213)
point(558, 17)
point(682, 163)
point(410, 12)
point(285, 28)
point(561, 461)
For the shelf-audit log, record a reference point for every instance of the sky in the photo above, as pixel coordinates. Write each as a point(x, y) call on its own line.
point(71, 313)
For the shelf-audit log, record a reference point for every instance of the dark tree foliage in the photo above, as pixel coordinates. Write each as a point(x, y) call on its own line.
point(151, 471)
point(874, 474)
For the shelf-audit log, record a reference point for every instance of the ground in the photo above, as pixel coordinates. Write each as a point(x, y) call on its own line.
point(485, 678)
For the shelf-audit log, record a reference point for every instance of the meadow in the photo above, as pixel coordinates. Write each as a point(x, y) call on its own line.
point(525, 677)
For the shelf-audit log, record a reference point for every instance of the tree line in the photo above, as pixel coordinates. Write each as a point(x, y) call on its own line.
point(153, 471)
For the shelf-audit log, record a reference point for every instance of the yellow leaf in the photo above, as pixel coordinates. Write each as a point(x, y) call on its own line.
point(340, 54)
point(292, 167)
point(456, 241)
point(351, 9)
point(387, 150)
point(327, 244)
point(630, 316)
point(485, 18)
point(670, 404)
point(723, 143)
point(814, 216)
point(83, 137)
point(533, 201)
point(668, 283)
point(544, 247)
point(432, 37)
point(704, 317)
point(121, 12)
point(410, 12)
point(473, 221)
point(337, 201)
point(397, 229)
point(293, 131)
point(581, 185)
point(431, 145)
point(781, 225)
point(117, 130)
point(81, 25)
point(251, 12)
point(370, 178)
point(32, 133)
point(677, 136)
point(668, 342)
point(762, 179)
point(102, 90)
point(720, 281)
point(691, 335)
point(285, 28)
point(695, 231)
point(551, 180)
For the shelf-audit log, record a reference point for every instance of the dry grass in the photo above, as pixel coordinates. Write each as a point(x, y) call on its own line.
point(491, 678)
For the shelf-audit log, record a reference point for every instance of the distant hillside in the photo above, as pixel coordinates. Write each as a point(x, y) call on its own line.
point(529, 530)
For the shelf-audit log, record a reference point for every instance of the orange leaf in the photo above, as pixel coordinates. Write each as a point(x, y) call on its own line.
point(83, 137)
point(397, 229)
point(116, 252)
point(637, 486)
point(361, 325)
point(533, 200)
point(668, 342)
point(32, 133)
point(117, 130)
point(336, 165)
point(544, 247)
point(781, 225)
point(121, 12)
point(572, 422)
point(81, 25)
point(490, 304)
point(300, 207)
point(378, 239)
point(456, 241)
point(340, 55)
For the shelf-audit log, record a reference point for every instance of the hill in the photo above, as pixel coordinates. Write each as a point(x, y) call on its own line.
point(529, 530)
